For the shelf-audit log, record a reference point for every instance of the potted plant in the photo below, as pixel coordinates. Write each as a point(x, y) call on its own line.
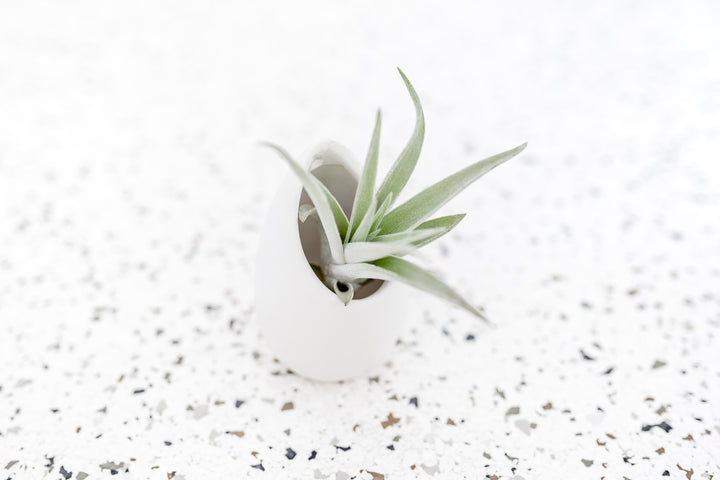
point(330, 296)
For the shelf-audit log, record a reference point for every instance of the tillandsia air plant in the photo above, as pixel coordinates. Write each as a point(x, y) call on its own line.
point(371, 243)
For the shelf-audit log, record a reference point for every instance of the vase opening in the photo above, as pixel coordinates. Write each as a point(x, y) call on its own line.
point(342, 184)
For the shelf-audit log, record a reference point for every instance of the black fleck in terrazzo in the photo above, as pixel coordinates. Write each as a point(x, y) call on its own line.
point(131, 198)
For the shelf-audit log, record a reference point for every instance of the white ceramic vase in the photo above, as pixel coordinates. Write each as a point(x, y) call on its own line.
point(305, 324)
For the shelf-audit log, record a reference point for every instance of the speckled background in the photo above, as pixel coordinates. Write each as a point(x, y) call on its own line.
point(132, 192)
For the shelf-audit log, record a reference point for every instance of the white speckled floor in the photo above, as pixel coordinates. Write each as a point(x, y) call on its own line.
point(131, 194)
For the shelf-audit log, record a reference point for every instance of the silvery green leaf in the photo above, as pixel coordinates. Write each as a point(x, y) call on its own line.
point(340, 219)
point(402, 244)
point(344, 291)
point(372, 235)
point(379, 216)
point(325, 260)
point(440, 226)
point(366, 185)
point(397, 269)
point(425, 203)
point(363, 230)
point(305, 211)
point(315, 191)
point(399, 174)
point(446, 223)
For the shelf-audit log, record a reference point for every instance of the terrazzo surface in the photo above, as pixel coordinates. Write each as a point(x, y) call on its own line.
point(132, 193)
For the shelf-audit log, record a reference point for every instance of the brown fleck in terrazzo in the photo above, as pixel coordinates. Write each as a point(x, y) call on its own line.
point(390, 421)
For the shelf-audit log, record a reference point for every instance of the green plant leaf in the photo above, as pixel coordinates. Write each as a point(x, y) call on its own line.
point(397, 269)
point(425, 203)
point(363, 230)
point(315, 191)
point(344, 291)
point(366, 185)
point(373, 234)
point(402, 244)
point(340, 219)
point(399, 174)
point(446, 223)
point(441, 224)
point(305, 211)
point(374, 230)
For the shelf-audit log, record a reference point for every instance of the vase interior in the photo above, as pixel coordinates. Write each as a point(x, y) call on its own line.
point(342, 184)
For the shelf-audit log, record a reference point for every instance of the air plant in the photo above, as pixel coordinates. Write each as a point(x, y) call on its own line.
point(369, 245)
